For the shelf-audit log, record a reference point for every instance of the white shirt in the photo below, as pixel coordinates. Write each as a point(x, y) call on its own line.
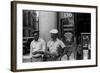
point(53, 46)
point(37, 46)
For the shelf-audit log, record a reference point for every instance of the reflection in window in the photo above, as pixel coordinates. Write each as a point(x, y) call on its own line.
point(30, 22)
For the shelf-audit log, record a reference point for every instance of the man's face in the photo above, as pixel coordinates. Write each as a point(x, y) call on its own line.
point(54, 36)
point(36, 36)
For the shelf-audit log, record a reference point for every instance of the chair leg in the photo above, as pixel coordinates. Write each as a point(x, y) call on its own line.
point(68, 57)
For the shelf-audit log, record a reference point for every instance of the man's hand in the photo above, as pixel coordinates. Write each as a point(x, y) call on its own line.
point(60, 50)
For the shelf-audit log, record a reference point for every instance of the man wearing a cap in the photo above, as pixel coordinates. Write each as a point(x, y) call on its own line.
point(37, 48)
point(55, 45)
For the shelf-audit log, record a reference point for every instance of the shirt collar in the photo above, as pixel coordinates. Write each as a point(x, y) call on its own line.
point(38, 40)
point(54, 41)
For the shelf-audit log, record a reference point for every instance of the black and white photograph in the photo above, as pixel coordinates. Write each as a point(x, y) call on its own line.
point(53, 36)
point(56, 36)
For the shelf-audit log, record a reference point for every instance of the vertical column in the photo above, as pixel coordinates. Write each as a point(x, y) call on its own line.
point(47, 21)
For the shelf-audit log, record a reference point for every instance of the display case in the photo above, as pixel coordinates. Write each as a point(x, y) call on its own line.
point(86, 45)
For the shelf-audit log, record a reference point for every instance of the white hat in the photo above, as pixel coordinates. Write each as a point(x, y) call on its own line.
point(55, 31)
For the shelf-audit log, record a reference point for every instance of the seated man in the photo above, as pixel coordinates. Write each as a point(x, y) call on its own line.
point(37, 48)
point(69, 45)
point(54, 46)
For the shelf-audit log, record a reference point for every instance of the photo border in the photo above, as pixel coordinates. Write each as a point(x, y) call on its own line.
point(14, 35)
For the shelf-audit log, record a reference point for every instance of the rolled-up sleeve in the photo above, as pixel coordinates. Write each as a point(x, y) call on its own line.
point(61, 44)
